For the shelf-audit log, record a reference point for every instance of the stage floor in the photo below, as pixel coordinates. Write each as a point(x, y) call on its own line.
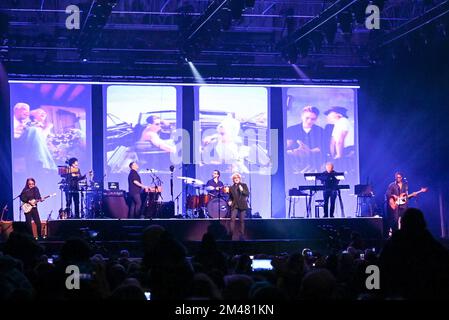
point(268, 236)
point(370, 228)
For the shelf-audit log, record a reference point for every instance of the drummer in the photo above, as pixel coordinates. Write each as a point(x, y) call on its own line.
point(214, 185)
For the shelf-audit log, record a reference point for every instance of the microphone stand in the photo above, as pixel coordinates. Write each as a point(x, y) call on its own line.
point(177, 202)
point(20, 207)
point(171, 182)
point(5, 209)
point(157, 183)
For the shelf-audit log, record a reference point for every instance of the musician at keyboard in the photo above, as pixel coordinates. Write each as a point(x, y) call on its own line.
point(330, 191)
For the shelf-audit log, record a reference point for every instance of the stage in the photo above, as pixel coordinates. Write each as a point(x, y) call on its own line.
point(262, 235)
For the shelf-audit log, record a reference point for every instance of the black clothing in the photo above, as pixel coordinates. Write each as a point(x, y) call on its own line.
point(239, 198)
point(330, 183)
point(332, 195)
point(75, 197)
point(241, 214)
point(212, 183)
point(30, 194)
point(133, 188)
point(72, 192)
point(135, 206)
point(134, 195)
point(394, 215)
point(313, 139)
point(27, 195)
point(239, 205)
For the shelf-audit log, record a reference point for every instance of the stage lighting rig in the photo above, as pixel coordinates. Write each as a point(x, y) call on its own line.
point(96, 19)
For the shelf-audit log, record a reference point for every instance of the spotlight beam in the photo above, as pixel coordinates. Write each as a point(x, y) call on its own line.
point(196, 74)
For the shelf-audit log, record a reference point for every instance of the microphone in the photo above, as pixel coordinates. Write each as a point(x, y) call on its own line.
point(172, 168)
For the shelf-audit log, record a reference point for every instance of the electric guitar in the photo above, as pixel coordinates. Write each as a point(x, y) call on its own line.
point(27, 206)
point(402, 199)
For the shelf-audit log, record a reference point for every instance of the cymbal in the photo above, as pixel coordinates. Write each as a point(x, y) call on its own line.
point(184, 178)
point(193, 181)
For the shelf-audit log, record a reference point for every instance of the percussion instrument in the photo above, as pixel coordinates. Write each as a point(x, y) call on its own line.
point(218, 208)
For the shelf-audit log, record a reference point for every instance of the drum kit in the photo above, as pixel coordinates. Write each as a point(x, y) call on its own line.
point(207, 202)
point(91, 195)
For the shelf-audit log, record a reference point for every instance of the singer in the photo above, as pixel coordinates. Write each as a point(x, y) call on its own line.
point(238, 201)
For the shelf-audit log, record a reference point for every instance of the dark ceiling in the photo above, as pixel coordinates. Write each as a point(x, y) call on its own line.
point(157, 37)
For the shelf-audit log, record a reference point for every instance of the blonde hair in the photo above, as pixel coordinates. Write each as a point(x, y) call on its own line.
point(236, 175)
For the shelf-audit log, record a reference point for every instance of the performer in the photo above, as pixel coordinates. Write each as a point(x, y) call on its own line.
point(238, 201)
point(30, 194)
point(396, 189)
point(135, 187)
point(73, 177)
point(330, 191)
point(215, 183)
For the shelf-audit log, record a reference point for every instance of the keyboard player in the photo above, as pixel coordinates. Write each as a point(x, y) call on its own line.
point(330, 191)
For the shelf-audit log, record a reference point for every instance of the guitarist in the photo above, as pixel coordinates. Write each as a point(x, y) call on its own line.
point(30, 194)
point(395, 190)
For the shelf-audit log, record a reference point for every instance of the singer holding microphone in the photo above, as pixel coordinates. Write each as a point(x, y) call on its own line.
point(238, 201)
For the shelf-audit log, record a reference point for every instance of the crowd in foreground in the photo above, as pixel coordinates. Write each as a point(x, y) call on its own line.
point(412, 265)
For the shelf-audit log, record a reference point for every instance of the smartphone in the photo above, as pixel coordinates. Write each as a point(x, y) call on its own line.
point(50, 260)
point(362, 256)
point(148, 295)
point(261, 264)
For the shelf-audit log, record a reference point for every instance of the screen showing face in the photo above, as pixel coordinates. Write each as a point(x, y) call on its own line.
point(234, 138)
point(320, 134)
point(141, 122)
point(50, 124)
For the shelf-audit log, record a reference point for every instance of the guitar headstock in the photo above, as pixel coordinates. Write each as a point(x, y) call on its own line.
point(424, 189)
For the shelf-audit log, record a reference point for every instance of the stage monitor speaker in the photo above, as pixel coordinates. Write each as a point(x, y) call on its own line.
point(167, 210)
point(159, 210)
point(114, 204)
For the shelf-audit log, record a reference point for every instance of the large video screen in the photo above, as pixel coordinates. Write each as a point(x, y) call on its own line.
point(50, 123)
point(320, 126)
point(234, 137)
point(141, 122)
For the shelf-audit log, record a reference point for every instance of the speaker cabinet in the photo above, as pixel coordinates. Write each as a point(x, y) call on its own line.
point(114, 205)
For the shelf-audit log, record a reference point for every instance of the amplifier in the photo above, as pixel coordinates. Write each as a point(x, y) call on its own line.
point(114, 193)
point(114, 204)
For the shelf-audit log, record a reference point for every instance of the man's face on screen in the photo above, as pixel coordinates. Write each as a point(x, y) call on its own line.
point(22, 113)
point(308, 119)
